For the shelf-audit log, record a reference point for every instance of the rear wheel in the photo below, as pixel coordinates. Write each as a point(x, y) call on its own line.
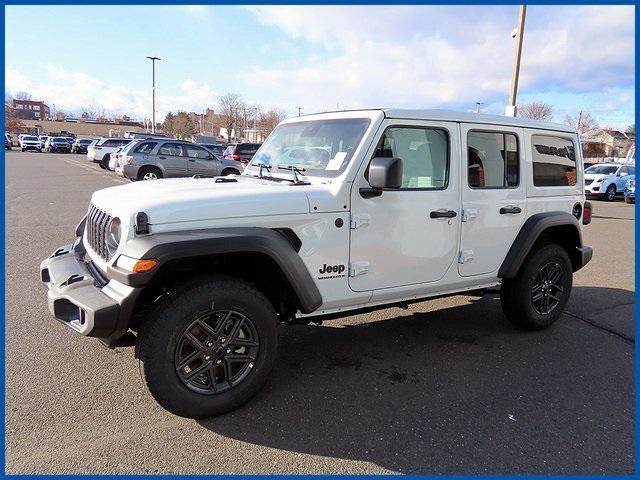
point(208, 347)
point(610, 194)
point(149, 173)
point(229, 171)
point(537, 296)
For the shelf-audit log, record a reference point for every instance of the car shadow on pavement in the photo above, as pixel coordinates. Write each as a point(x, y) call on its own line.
point(455, 390)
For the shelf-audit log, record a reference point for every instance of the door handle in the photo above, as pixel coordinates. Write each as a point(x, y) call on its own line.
point(442, 214)
point(162, 158)
point(510, 209)
point(191, 160)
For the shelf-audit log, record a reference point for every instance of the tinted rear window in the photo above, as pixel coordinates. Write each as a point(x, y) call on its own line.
point(554, 161)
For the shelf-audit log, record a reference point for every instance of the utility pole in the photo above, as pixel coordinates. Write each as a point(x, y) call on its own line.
point(478, 107)
point(579, 122)
point(153, 93)
point(299, 110)
point(511, 110)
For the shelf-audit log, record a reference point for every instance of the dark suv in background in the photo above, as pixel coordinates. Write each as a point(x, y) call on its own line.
point(242, 152)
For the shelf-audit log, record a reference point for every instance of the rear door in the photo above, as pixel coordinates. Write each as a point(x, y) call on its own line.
point(200, 161)
point(493, 195)
point(172, 159)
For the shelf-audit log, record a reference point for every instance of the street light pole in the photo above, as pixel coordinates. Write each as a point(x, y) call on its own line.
point(153, 93)
point(511, 110)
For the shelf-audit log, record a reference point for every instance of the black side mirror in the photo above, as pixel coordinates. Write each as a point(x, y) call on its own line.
point(384, 172)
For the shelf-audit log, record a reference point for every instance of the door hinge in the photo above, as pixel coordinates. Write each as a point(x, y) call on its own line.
point(358, 268)
point(469, 214)
point(358, 221)
point(465, 256)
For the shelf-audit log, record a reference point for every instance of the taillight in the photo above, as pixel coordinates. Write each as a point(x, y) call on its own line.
point(232, 156)
point(586, 213)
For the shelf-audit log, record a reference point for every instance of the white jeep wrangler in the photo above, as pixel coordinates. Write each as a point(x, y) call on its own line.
point(336, 213)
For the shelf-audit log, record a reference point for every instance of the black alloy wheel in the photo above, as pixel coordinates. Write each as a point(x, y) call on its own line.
point(217, 351)
point(548, 288)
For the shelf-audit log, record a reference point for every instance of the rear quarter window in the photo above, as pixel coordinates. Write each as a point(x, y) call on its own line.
point(554, 161)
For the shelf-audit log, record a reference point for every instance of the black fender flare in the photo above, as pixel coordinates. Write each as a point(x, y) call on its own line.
point(529, 235)
point(166, 247)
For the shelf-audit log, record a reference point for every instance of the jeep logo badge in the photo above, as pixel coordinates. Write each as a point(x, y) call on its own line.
point(331, 271)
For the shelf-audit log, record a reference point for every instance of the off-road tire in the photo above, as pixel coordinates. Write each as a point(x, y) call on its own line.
point(164, 326)
point(610, 194)
point(145, 170)
point(517, 295)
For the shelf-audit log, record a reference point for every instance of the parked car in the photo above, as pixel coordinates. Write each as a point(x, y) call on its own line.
point(154, 159)
point(410, 205)
point(242, 152)
point(630, 190)
point(8, 142)
point(81, 145)
point(100, 150)
point(607, 180)
point(30, 142)
point(43, 140)
point(57, 145)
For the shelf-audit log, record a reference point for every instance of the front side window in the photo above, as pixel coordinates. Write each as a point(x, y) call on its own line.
point(196, 152)
point(424, 153)
point(492, 160)
point(554, 161)
point(329, 145)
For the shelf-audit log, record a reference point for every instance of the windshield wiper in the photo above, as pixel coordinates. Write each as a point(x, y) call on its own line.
point(261, 166)
point(294, 172)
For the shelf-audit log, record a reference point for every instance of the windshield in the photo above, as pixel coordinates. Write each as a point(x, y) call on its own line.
point(59, 140)
point(322, 147)
point(602, 169)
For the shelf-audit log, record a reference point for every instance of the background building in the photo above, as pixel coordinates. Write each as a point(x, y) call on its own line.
point(31, 109)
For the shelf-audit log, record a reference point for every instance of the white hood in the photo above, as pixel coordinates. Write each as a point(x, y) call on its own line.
point(594, 176)
point(198, 199)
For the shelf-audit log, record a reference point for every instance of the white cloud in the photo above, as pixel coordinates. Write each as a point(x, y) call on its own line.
point(438, 56)
point(71, 91)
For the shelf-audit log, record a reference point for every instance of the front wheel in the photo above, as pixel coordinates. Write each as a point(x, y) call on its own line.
point(208, 347)
point(537, 296)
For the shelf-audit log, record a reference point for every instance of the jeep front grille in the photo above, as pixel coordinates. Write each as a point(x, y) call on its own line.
point(97, 223)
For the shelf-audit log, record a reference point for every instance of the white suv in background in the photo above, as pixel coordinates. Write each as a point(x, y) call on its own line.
point(30, 142)
point(101, 149)
point(607, 179)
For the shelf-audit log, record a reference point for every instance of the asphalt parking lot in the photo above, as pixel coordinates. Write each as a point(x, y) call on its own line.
point(447, 386)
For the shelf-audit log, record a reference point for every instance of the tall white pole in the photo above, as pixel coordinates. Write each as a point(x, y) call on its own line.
point(153, 93)
point(519, 36)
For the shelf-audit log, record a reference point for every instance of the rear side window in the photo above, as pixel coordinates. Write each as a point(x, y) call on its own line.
point(492, 160)
point(247, 149)
point(145, 147)
point(196, 152)
point(174, 149)
point(554, 161)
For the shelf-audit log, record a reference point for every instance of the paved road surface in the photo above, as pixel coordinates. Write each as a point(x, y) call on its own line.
point(446, 386)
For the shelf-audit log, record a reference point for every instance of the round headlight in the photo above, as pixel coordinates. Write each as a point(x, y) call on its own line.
point(113, 235)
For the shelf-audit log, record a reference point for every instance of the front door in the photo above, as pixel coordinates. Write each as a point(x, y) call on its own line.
point(201, 162)
point(493, 196)
point(409, 235)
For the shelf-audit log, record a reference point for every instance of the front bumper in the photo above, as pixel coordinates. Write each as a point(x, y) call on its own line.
point(86, 302)
point(593, 189)
point(31, 147)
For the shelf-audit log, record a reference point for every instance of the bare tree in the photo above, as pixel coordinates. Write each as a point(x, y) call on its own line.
point(536, 111)
point(583, 122)
point(230, 105)
point(270, 119)
point(23, 96)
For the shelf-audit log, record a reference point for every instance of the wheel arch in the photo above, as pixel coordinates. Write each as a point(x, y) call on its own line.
point(266, 257)
point(561, 228)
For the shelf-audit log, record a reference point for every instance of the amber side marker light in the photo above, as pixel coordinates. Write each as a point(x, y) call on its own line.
point(142, 266)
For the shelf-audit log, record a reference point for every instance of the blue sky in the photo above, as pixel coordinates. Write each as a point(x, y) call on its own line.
point(323, 57)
